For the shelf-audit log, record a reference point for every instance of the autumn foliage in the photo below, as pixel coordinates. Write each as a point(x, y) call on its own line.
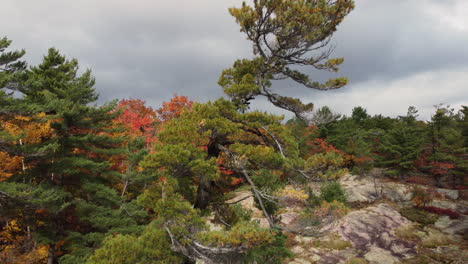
point(139, 119)
point(173, 108)
point(21, 130)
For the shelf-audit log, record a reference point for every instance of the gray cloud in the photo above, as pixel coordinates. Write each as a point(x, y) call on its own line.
point(153, 49)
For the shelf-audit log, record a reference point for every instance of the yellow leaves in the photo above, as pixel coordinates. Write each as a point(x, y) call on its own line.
point(139, 169)
point(21, 130)
point(8, 165)
point(23, 118)
point(335, 209)
point(18, 246)
point(13, 254)
point(291, 196)
point(30, 130)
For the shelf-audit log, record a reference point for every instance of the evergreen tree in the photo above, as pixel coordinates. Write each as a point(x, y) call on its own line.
point(355, 141)
point(10, 65)
point(322, 116)
point(461, 169)
point(401, 146)
point(359, 115)
point(445, 142)
point(69, 200)
point(284, 34)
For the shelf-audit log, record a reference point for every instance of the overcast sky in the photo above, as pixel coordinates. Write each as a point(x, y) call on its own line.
point(397, 52)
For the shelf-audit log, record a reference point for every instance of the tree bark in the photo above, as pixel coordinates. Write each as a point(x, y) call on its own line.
point(51, 256)
point(203, 194)
point(124, 188)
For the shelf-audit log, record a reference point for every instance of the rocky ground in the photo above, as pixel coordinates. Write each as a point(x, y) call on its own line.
point(374, 229)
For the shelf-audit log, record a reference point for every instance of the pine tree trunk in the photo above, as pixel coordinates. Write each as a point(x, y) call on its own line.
point(51, 257)
point(203, 194)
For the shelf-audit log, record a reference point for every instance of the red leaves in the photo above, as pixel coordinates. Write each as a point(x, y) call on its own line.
point(436, 168)
point(441, 211)
point(138, 118)
point(320, 145)
point(417, 179)
point(136, 115)
point(236, 181)
point(440, 168)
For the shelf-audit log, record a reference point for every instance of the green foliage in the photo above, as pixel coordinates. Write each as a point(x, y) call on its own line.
point(283, 34)
point(270, 205)
point(232, 214)
point(418, 215)
point(421, 197)
point(10, 66)
point(357, 261)
point(407, 232)
point(400, 148)
point(69, 197)
point(272, 253)
point(152, 247)
point(326, 166)
point(323, 116)
point(135, 151)
point(436, 239)
point(353, 138)
point(313, 200)
point(445, 154)
point(166, 203)
point(332, 191)
point(333, 242)
point(72, 197)
point(359, 114)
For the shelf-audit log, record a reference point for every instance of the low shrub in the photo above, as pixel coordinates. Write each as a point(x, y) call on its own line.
point(325, 213)
point(290, 196)
point(420, 196)
point(306, 220)
point(312, 200)
point(275, 252)
point(423, 196)
point(335, 209)
point(231, 215)
point(332, 191)
point(327, 166)
point(407, 232)
point(357, 261)
point(436, 239)
point(418, 215)
point(441, 211)
point(334, 242)
point(417, 260)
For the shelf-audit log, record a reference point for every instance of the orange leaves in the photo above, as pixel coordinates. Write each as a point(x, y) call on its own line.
point(173, 109)
point(30, 130)
point(236, 181)
point(18, 247)
point(319, 145)
point(136, 116)
point(8, 165)
point(139, 119)
point(21, 130)
point(440, 168)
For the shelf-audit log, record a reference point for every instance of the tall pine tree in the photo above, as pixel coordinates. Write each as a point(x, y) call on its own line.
point(69, 203)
